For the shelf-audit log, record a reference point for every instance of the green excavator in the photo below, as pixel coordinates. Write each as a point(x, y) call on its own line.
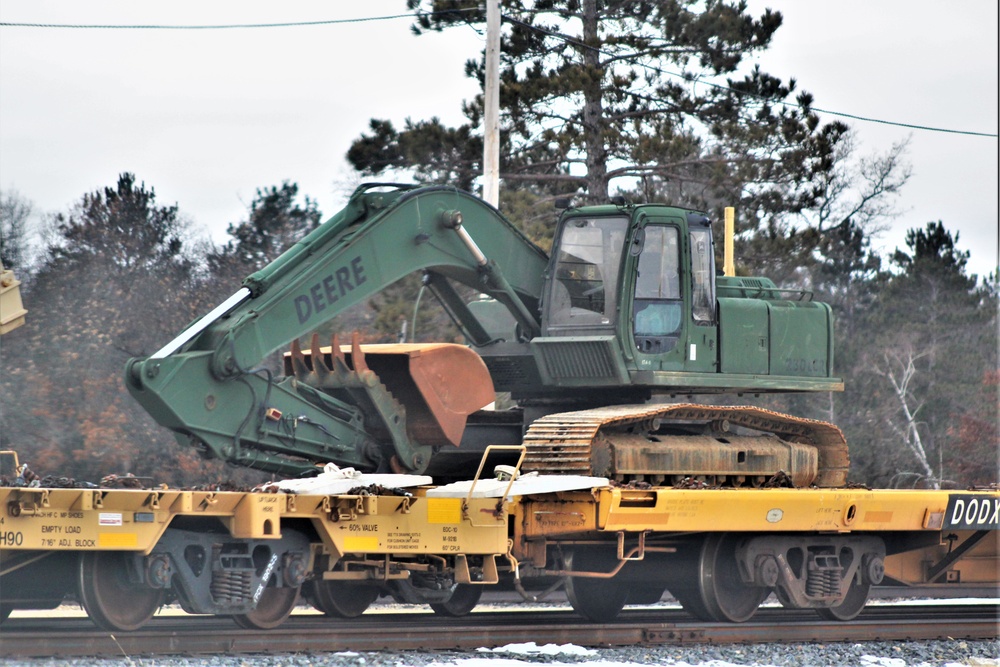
point(602, 347)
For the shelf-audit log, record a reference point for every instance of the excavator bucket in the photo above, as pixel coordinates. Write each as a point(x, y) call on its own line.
point(439, 384)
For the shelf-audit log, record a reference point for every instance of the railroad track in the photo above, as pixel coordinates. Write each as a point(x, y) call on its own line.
point(62, 637)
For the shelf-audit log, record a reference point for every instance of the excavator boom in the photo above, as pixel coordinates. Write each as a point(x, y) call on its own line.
point(206, 387)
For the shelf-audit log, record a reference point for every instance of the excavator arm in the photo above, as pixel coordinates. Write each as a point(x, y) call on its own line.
point(205, 386)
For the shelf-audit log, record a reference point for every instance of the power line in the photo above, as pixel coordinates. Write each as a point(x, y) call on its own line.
point(294, 24)
point(840, 114)
point(510, 19)
point(229, 26)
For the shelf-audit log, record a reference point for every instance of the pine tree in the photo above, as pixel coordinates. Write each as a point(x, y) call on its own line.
point(595, 93)
point(116, 282)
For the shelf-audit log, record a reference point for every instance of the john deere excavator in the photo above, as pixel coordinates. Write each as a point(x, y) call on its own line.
point(592, 343)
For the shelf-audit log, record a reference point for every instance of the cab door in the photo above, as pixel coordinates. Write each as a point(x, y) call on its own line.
point(672, 317)
point(657, 299)
point(658, 319)
point(702, 343)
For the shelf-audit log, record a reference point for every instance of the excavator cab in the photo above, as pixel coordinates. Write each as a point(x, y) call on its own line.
point(648, 279)
point(631, 300)
point(632, 309)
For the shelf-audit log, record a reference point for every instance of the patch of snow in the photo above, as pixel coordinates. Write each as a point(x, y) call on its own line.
point(935, 602)
point(531, 648)
point(510, 662)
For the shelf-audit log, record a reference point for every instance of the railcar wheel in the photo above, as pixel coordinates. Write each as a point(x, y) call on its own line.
point(854, 602)
point(598, 600)
point(716, 591)
point(273, 608)
point(340, 599)
point(783, 598)
point(463, 599)
point(650, 593)
point(112, 601)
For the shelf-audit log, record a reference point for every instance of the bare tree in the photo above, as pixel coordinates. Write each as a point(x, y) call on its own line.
point(860, 189)
point(900, 369)
point(15, 211)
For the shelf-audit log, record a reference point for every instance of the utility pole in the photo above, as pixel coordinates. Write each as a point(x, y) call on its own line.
point(491, 101)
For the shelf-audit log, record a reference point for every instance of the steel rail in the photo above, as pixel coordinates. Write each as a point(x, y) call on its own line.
point(52, 637)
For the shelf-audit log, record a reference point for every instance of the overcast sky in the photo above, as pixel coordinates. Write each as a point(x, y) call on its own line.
point(208, 116)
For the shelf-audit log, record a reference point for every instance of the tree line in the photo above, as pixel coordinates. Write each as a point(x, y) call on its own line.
point(915, 340)
point(650, 102)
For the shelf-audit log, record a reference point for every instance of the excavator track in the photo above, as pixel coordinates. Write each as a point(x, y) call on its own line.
point(617, 440)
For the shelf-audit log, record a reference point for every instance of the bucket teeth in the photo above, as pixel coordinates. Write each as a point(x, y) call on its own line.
point(340, 366)
point(299, 368)
point(320, 369)
point(358, 356)
point(337, 373)
point(412, 395)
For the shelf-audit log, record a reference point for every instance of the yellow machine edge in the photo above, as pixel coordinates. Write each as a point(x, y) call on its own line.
point(12, 309)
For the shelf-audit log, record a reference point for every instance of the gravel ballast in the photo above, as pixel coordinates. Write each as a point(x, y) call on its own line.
point(954, 653)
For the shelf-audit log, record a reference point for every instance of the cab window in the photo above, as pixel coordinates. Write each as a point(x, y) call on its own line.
point(702, 276)
point(589, 256)
point(657, 307)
